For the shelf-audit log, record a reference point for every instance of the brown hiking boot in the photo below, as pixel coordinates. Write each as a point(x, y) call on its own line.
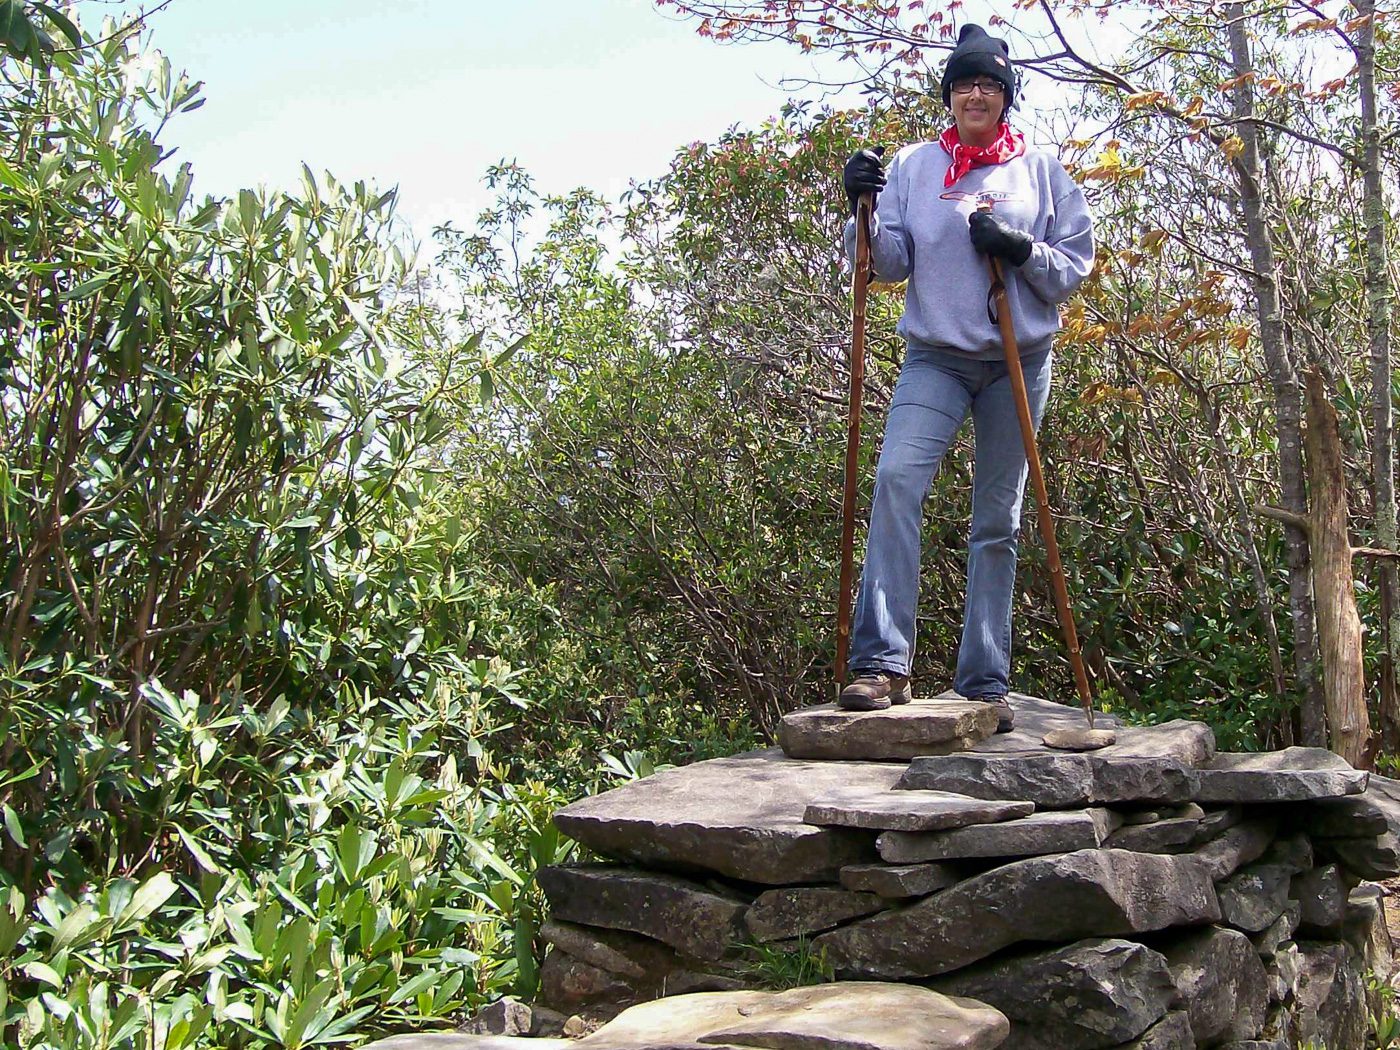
point(874, 691)
point(1006, 718)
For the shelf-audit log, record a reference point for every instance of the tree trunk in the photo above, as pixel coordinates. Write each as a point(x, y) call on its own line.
point(1378, 295)
point(1284, 380)
point(1338, 624)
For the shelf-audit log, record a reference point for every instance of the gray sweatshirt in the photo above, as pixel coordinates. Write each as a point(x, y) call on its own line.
point(920, 232)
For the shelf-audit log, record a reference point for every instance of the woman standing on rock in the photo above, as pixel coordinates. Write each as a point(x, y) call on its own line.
point(927, 229)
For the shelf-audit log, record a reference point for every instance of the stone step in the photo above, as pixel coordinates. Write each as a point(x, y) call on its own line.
point(739, 816)
point(897, 734)
point(1147, 764)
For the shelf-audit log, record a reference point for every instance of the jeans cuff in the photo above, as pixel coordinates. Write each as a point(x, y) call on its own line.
point(888, 666)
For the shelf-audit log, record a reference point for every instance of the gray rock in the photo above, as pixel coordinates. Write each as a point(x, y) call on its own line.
point(1254, 1044)
point(840, 1016)
point(1133, 817)
point(1035, 717)
point(1364, 858)
point(1353, 816)
point(568, 985)
point(1090, 893)
point(1222, 983)
point(1236, 847)
point(1290, 775)
point(1172, 835)
point(546, 1022)
point(690, 918)
point(1041, 833)
point(1278, 932)
point(1084, 996)
point(1191, 743)
point(1330, 1005)
point(739, 816)
point(1365, 930)
point(794, 911)
point(647, 965)
point(506, 1016)
point(1055, 779)
point(1172, 1032)
point(897, 881)
point(1254, 897)
point(908, 810)
point(1215, 822)
point(923, 727)
point(1322, 898)
point(1293, 852)
point(1283, 972)
point(625, 954)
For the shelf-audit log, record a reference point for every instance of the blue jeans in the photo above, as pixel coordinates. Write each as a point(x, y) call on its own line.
point(931, 400)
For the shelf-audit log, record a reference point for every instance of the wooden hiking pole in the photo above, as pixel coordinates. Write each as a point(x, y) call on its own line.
point(1047, 523)
point(848, 506)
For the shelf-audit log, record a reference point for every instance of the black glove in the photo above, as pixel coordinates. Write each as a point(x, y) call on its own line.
point(863, 174)
point(994, 236)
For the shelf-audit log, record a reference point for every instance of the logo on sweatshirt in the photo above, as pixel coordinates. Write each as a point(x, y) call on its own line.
point(990, 198)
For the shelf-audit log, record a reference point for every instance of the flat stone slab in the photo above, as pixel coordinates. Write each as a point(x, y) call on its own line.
point(1373, 812)
point(1237, 846)
point(1291, 775)
point(898, 881)
point(1090, 893)
point(1036, 716)
point(1057, 831)
point(739, 816)
point(846, 1015)
point(897, 734)
point(795, 911)
point(909, 810)
point(1054, 779)
point(1171, 835)
point(1147, 764)
point(690, 918)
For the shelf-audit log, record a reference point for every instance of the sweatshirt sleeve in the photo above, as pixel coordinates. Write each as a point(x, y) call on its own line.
point(890, 255)
point(1060, 263)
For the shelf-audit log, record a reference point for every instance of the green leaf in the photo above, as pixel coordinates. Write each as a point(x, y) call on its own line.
point(410, 988)
point(306, 1013)
point(201, 857)
point(355, 849)
point(154, 892)
point(13, 827)
point(16, 32)
point(61, 22)
point(42, 971)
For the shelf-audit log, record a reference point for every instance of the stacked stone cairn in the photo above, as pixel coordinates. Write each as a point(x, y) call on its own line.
point(1153, 894)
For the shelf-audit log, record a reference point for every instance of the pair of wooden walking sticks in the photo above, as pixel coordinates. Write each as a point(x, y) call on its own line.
point(1071, 739)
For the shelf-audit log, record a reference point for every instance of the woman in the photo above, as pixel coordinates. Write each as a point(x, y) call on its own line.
point(927, 229)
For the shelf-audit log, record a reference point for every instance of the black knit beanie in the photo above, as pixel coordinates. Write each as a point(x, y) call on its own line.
point(978, 53)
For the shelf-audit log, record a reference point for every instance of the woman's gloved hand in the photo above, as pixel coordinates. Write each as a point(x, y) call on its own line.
point(863, 174)
point(994, 236)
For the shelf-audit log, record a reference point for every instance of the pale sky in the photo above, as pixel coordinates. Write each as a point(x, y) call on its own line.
point(426, 94)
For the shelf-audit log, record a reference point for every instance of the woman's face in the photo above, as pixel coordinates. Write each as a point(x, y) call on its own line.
point(977, 112)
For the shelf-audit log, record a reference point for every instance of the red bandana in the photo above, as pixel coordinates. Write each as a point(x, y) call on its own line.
point(1008, 144)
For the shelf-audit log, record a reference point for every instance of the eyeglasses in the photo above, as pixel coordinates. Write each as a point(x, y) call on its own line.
point(988, 86)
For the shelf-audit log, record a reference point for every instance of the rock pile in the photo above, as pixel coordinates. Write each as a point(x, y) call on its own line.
point(1154, 894)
